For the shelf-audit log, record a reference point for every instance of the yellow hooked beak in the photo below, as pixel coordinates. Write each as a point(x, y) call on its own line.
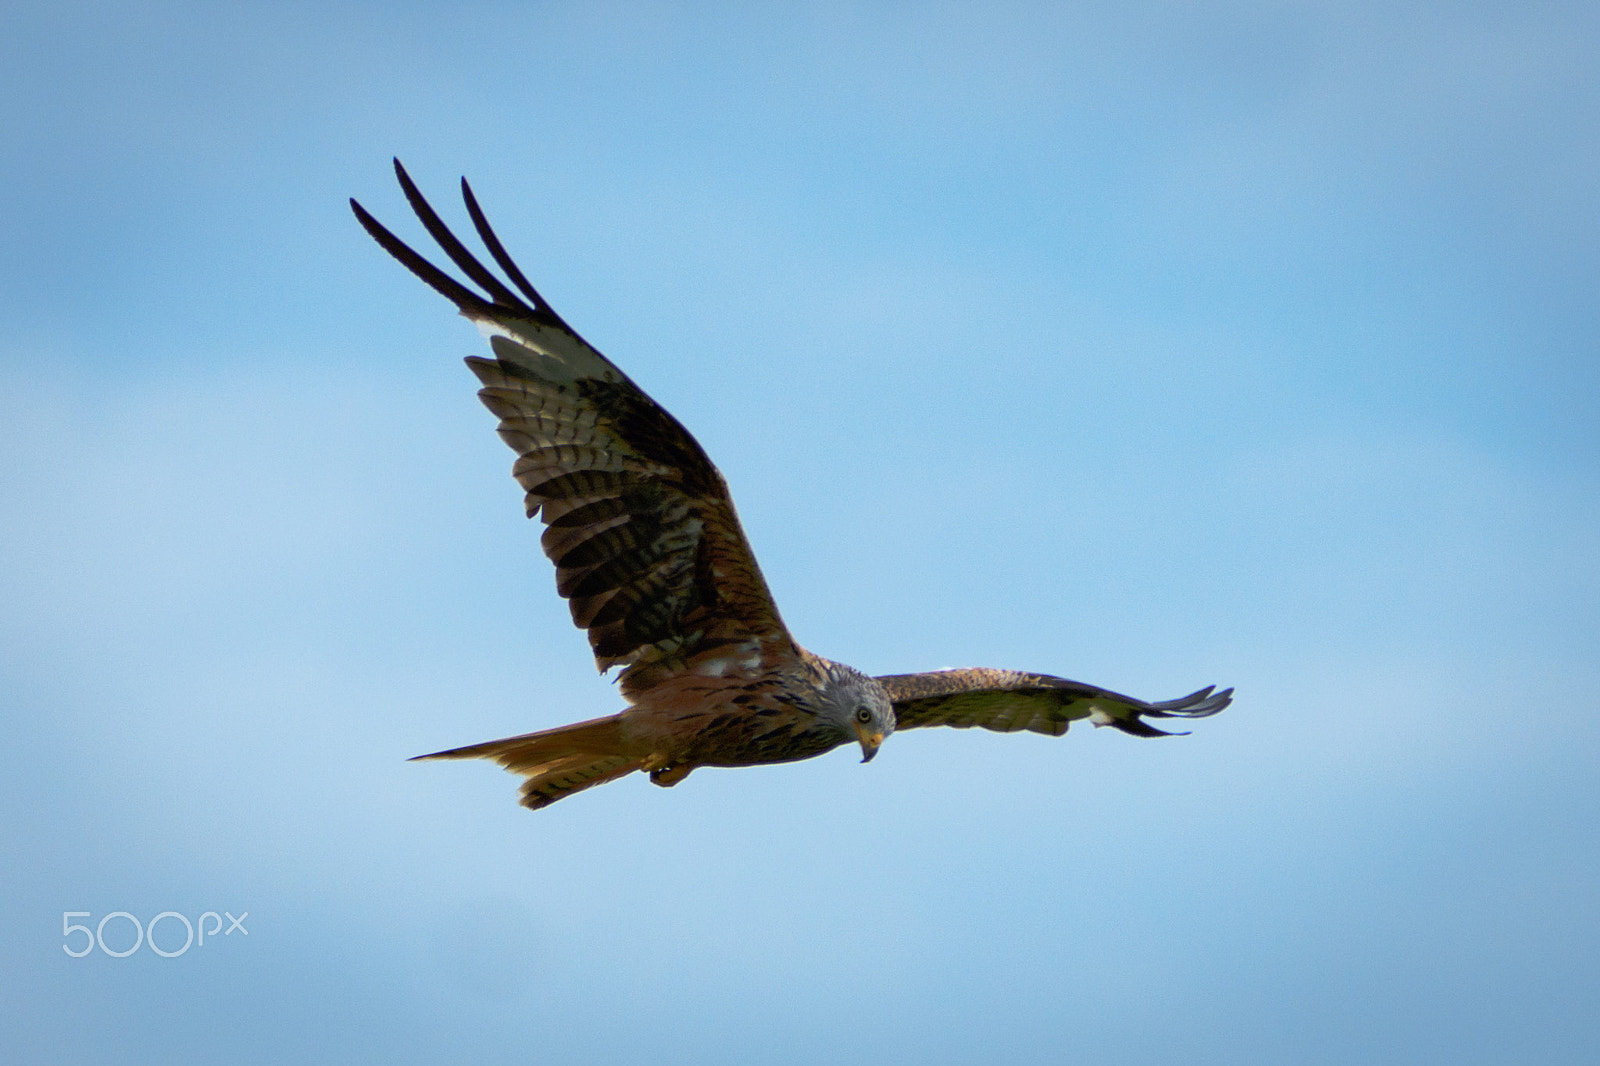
point(870, 743)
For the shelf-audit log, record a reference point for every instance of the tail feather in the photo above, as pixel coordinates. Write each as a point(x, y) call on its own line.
point(558, 762)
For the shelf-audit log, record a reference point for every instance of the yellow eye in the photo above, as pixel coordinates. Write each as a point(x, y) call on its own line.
point(864, 715)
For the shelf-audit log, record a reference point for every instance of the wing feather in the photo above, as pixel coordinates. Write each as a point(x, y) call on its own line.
point(1009, 701)
point(639, 524)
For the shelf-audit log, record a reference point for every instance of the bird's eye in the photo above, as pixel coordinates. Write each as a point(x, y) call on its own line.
point(864, 715)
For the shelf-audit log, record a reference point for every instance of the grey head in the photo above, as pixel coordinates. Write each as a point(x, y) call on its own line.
point(856, 705)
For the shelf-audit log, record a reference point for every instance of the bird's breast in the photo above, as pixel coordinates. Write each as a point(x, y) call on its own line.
point(704, 723)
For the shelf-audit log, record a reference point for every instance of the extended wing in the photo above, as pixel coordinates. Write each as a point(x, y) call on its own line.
point(647, 547)
point(1008, 701)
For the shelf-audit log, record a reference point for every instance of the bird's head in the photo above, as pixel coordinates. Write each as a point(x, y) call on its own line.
point(859, 706)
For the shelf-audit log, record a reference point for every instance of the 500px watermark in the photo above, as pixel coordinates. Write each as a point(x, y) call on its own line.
point(146, 934)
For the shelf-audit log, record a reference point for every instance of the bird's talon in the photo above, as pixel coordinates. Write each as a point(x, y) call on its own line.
point(667, 776)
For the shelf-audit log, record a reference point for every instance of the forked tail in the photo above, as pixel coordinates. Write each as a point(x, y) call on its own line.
point(557, 762)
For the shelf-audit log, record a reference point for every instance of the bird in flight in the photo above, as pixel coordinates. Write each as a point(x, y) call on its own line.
point(652, 560)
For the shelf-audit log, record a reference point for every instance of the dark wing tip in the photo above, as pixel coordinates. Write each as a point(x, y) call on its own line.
point(501, 300)
point(1134, 726)
point(491, 241)
point(436, 279)
point(1201, 704)
point(471, 751)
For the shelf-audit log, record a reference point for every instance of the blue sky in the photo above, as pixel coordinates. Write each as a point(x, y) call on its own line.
point(1151, 345)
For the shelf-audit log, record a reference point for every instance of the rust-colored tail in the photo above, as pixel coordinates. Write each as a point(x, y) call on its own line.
point(557, 762)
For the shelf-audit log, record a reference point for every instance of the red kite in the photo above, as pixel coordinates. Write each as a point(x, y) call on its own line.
point(651, 558)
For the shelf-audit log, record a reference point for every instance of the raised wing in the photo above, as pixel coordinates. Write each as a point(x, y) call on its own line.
point(1008, 701)
point(647, 547)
